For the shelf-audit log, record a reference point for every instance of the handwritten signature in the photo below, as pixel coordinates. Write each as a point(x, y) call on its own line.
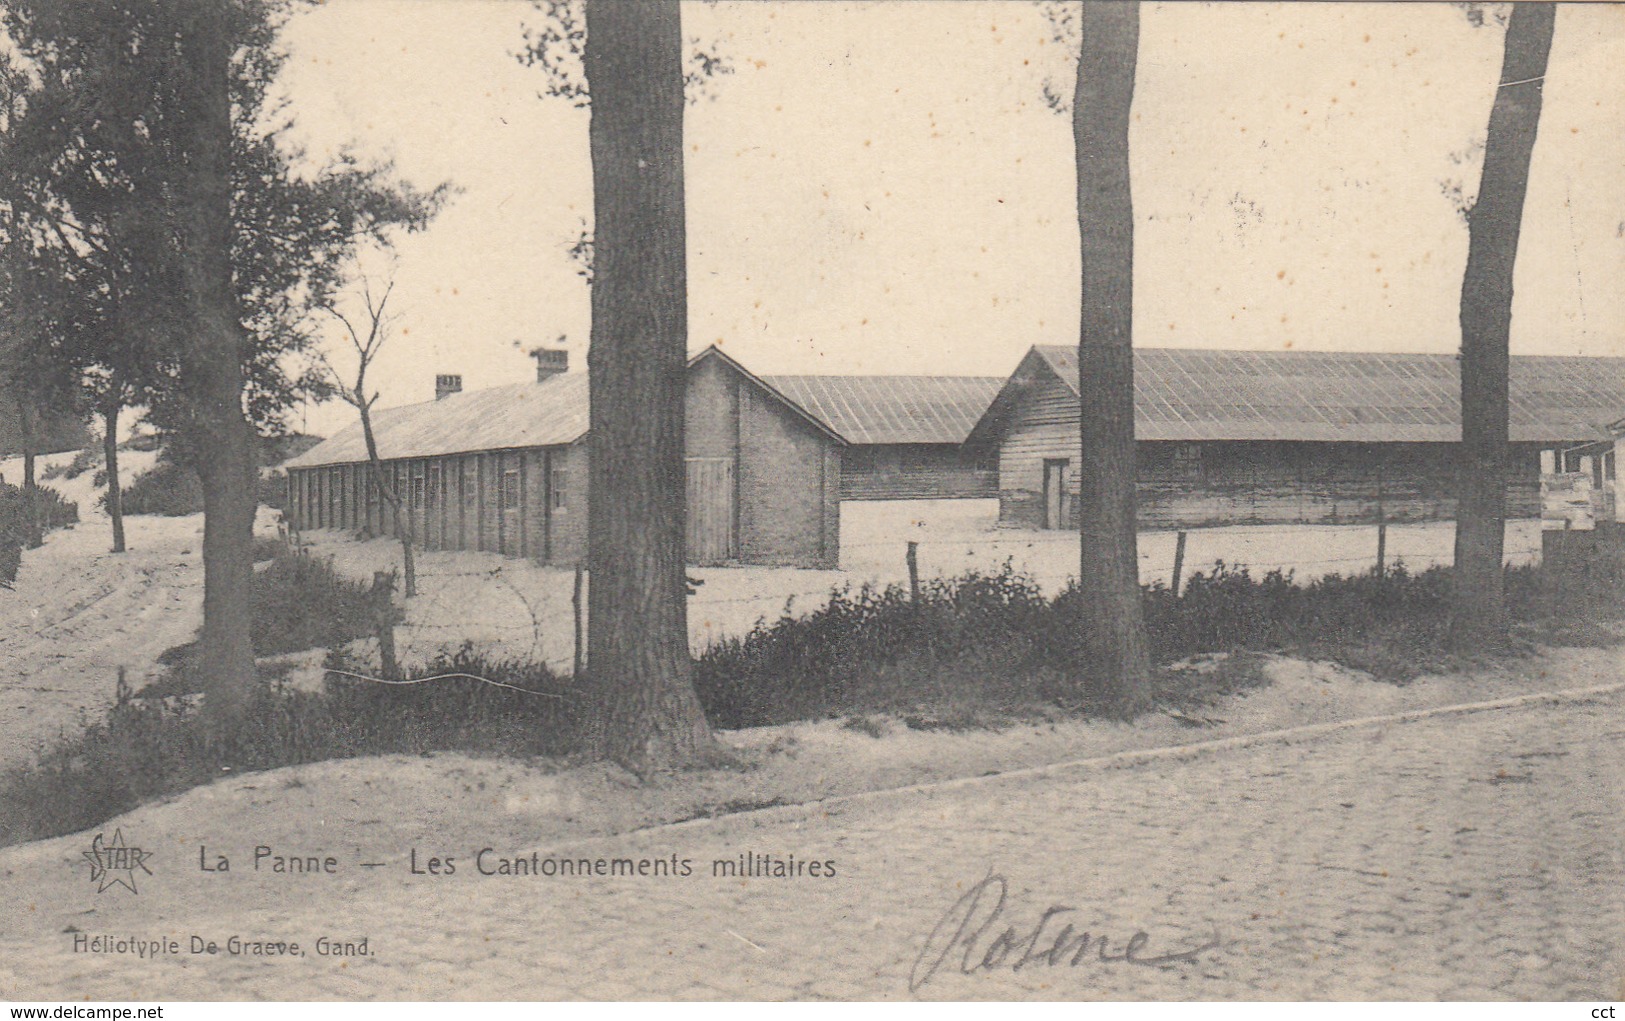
point(963, 933)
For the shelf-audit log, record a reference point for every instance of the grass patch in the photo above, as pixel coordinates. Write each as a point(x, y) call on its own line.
point(25, 514)
point(146, 749)
point(299, 603)
point(83, 461)
point(303, 603)
point(267, 548)
point(990, 649)
point(981, 651)
point(167, 489)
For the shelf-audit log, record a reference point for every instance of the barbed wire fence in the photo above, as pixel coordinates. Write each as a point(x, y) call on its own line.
point(527, 612)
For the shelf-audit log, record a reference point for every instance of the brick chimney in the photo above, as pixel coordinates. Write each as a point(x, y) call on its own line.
point(445, 386)
point(550, 362)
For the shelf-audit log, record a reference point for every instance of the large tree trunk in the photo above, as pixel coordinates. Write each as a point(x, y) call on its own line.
point(115, 491)
point(1113, 640)
point(212, 374)
point(646, 715)
point(1479, 617)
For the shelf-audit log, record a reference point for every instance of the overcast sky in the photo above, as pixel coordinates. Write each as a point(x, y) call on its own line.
point(881, 188)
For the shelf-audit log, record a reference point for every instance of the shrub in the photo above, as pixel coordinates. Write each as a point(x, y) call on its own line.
point(172, 490)
point(22, 511)
point(462, 701)
point(150, 748)
point(303, 603)
point(299, 603)
point(83, 461)
point(166, 489)
point(872, 648)
point(272, 490)
point(983, 644)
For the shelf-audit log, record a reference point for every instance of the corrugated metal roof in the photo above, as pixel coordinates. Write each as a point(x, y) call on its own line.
point(1188, 394)
point(550, 413)
point(542, 414)
point(1180, 394)
point(893, 409)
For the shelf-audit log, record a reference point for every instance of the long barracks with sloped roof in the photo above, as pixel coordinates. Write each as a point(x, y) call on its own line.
point(769, 460)
point(905, 434)
point(1253, 437)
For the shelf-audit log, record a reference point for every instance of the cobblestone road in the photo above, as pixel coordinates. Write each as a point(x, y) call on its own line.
point(1475, 856)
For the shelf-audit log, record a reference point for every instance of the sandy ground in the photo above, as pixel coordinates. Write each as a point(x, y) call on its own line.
point(523, 610)
point(453, 800)
point(78, 612)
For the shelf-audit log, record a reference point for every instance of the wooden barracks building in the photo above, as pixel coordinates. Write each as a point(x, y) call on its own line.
point(1225, 438)
point(1256, 437)
point(769, 461)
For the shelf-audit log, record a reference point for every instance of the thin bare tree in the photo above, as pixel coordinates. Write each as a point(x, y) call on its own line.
point(368, 343)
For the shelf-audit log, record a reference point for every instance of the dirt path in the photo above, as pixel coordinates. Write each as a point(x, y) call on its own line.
point(1456, 856)
point(78, 613)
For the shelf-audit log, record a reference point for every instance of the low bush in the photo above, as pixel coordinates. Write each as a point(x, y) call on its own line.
point(299, 603)
point(170, 489)
point(876, 649)
point(146, 749)
point(462, 701)
point(25, 514)
point(83, 461)
point(166, 489)
point(993, 642)
point(272, 490)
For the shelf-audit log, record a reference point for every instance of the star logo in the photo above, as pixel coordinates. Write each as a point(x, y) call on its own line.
point(113, 863)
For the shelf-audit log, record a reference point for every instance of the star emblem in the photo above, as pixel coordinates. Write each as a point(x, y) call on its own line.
point(114, 863)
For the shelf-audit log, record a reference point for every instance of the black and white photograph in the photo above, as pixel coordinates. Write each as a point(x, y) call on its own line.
point(867, 500)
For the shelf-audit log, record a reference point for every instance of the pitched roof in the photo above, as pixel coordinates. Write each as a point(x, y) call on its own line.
point(1187, 394)
point(813, 420)
point(552, 412)
point(894, 409)
point(544, 414)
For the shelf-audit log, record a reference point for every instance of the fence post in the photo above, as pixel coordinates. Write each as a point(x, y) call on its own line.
point(1382, 528)
point(578, 661)
point(1179, 563)
point(383, 619)
point(914, 571)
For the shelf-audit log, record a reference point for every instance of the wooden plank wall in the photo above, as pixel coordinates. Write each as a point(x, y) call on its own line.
point(1235, 482)
point(455, 506)
point(920, 471)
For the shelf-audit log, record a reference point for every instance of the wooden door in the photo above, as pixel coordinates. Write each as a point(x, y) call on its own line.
point(710, 510)
point(1055, 498)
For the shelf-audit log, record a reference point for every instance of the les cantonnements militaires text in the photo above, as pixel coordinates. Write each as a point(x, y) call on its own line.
point(487, 862)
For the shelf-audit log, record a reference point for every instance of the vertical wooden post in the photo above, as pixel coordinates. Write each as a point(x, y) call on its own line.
point(914, 571)
point(1179, 563)
point(1382, 527)
point(383, 618)
point(578, 663)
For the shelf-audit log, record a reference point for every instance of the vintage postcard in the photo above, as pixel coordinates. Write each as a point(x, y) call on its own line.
point(582, 500)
